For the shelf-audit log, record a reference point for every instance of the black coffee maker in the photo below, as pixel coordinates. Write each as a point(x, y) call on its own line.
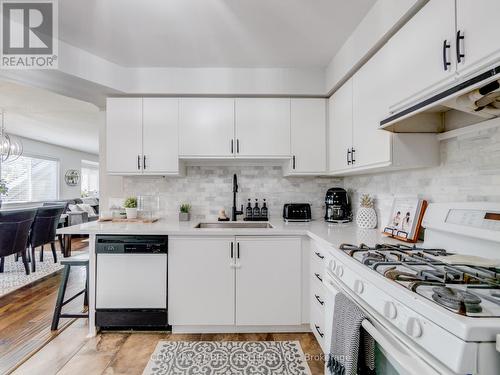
point(338, 206)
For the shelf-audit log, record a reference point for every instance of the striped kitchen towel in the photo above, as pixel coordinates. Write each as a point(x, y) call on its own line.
point(352, 349)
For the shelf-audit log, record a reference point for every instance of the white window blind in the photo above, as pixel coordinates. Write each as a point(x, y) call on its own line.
point(90, 179)
point(31, 179)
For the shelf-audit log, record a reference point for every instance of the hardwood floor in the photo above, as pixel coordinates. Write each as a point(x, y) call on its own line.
point(26, 315)
point(124, 353)
point(27, 346)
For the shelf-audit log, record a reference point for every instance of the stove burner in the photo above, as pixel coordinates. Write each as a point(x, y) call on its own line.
point(372, 257)
point(456, 299)
point(397, 275)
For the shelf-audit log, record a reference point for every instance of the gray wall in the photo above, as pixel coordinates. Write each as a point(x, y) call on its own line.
point(68, 159)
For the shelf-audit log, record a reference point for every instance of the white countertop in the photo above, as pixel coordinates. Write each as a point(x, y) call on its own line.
point(331, 234)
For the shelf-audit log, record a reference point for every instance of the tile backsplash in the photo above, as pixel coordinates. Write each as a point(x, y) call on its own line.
point(469, 171)
point(208, 189)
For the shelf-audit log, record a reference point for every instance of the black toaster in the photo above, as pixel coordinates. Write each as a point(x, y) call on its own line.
point(297, 212)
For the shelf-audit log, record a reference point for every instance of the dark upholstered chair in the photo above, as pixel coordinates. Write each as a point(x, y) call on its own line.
point(61, 223)
point(43, 231)
point(15, 227)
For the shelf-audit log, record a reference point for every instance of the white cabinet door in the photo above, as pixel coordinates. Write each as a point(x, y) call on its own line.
point(370, 105)
point(415, 54)
point(160, 135)
point(268, 281)
point(124, 135)
point(262, 127)
point(478, 22)
point(308, 136)
point(206, 127)
point(200, 281)
point(340, 128)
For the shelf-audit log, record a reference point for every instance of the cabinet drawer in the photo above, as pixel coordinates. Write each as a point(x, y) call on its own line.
point(318, 257)
point(317, 325)
point(318, 296)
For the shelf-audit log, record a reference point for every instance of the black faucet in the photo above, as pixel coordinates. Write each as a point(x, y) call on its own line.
point(234, 211)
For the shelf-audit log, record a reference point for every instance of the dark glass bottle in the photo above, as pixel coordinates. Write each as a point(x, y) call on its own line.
point(263, 210)
point(249, 211)
point(256, 210)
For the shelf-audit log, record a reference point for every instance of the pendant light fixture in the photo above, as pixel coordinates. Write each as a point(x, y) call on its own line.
point(11, 148)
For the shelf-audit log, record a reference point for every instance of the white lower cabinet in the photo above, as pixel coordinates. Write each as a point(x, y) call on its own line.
point(268, 281)
point(200, 281)
point(228, 281)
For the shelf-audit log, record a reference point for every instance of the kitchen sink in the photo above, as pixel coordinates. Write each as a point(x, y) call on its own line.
point(234, 224)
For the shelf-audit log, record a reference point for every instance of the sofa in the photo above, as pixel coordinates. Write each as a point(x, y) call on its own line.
point(78, 210)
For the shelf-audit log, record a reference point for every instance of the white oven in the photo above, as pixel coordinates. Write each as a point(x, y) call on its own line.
point(392, 356)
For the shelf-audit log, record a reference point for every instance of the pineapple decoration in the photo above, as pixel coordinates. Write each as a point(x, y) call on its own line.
point(367, 216)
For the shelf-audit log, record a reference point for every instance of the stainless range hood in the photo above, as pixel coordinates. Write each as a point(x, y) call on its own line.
point(470, 102)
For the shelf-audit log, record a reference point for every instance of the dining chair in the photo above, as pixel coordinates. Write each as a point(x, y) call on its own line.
point(43, 231)
point(62, 222)
point(15, 226)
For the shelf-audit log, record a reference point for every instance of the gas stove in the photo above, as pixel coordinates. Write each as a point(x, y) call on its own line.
point(438, 302)
point(462, 288)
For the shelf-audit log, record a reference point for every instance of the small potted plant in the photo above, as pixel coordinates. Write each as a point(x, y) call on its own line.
point(184, 214)
point(3, 190)
point(130, 205)
point(367, 216)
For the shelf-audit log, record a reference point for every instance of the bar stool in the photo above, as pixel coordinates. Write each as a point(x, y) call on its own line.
point(74, 261)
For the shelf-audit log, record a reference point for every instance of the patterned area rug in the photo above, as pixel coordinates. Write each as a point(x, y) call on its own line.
point(14, 276)
point(228, 358)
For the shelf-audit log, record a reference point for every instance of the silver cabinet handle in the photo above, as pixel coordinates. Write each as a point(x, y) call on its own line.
point(139, 162)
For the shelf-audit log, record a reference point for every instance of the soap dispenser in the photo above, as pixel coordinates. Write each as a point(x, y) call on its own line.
point(263, 210)
point(256, 210)
point(249, 211)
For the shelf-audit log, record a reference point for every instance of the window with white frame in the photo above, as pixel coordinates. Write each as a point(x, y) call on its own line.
point(31, 179)
point(90, 179)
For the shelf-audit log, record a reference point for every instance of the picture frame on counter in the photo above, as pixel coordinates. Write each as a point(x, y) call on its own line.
point(405, 219)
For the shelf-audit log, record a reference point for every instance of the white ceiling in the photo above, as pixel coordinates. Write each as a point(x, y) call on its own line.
point(48, 117)
point(211, 33)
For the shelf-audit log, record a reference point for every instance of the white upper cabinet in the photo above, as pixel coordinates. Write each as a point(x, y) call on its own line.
point(160, 135)
point(308, 136)
point(340, 128)
point(142, 136)
point(206, 127)
point(418, 52)
point(262, 127)
point(371, 145)
point(478, 23)
point(124, 135)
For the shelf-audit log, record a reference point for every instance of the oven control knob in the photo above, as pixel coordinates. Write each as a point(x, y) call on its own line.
point(390, 310)
point(414, 328)
point(340, 271)
point(333, 264)
point(358, 286)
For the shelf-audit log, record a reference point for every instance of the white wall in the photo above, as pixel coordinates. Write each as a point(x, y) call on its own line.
point(381, 22)
point(68, 159)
